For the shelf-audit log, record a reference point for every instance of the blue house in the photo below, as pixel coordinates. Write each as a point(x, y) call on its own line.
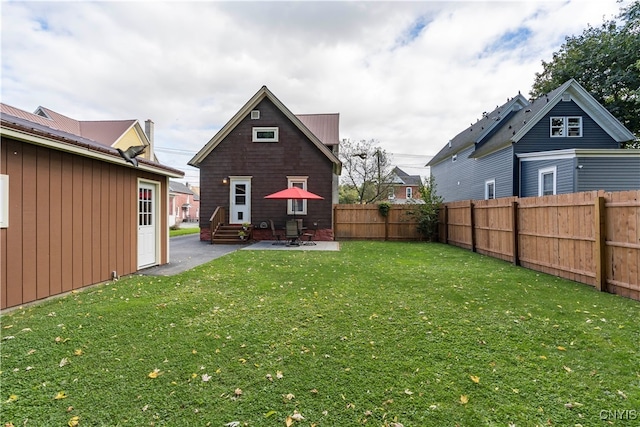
point(563, 142)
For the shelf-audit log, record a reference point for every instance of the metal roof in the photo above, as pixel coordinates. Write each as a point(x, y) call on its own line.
point(324, 126)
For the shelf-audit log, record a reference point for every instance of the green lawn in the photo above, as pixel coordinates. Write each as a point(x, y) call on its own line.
point(183, 231)
point(376, 334)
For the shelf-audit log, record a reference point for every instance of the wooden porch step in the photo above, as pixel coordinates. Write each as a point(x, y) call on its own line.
point(228, 234)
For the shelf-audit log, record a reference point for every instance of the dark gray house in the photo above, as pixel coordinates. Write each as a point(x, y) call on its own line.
point(563, 142)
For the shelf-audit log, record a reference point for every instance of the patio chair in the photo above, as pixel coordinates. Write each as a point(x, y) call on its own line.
point(311, 234)
point(276, 234)
point(292, 232)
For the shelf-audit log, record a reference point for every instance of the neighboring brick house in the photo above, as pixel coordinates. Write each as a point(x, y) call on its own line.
point(404, 188)
point(263, 149)
point(73, 212)
point(184, 203)
point(563, 142)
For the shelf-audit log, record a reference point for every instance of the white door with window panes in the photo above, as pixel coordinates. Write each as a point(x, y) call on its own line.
point(297, 206)
point(147, 224)
point(240, 200)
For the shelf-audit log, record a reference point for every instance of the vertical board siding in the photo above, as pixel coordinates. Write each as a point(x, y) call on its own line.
point(72, 222)
point(556, 235)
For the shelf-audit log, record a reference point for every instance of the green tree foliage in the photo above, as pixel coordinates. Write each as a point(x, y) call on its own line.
point(606, 62)
point(366, 168)
point(426, 214)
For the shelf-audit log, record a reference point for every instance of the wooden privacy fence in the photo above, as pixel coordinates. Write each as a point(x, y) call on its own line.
point(591, 237)
point(364, 222)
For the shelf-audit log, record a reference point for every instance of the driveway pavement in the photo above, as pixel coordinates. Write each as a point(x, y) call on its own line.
point(186, 252)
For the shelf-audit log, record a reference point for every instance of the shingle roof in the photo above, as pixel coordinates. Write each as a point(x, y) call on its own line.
point(478, 131)
point(509, 122)
point(178, 187)
point(405, 178)
point(28, 124)
point(106, 132)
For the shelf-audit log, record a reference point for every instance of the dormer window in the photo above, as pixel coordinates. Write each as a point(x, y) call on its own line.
point(265, 134)
point(566, 127)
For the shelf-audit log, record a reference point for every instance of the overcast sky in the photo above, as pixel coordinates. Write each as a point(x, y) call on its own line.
point(409, 74)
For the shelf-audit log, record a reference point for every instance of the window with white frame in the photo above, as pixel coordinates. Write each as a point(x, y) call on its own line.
point(566, 127)
point(547, 181)
point(265, 134)
point(409, 193)
point(490, 189)
point(297, 207)
point(392, 193)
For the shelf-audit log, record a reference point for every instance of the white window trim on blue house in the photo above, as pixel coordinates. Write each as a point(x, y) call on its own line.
point(542, 173)
point(561, 127)
point(490, 189)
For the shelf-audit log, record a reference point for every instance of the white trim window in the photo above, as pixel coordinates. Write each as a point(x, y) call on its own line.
point(265, 134)
point(490, 189)
point(547, 181)
point(566, 127)
point(297, 207)
point(409, 193)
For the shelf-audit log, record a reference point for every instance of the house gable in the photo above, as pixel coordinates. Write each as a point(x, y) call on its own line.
point(245, 112)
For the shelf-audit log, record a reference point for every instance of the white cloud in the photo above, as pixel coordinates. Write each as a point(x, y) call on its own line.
point(409, 74)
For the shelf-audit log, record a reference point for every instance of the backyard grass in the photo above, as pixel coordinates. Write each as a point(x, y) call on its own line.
point(377, 334)
point(183, 231)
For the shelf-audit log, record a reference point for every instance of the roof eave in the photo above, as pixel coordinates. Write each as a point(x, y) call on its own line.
point(264, 92)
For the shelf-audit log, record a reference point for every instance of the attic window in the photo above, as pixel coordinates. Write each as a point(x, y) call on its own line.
point(454, 157)
point(566, 126)
point(265, 134)
point(255, 114)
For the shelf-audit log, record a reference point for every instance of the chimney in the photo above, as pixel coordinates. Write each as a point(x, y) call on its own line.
point(148, 129)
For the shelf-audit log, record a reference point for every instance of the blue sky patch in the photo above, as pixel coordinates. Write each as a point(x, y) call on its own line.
point(412, 33)
point(509, 41)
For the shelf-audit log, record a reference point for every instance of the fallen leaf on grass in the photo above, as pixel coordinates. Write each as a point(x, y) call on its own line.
point(464, 399)
point(154, 373)
point(270, 413)
point(474, 378)
point(78, 352)
point(63, 362)
point(60, 395)
point(74, 421)
point(206, 377)
point(238, 392)
point(561, 348)
point(297, 416)
point(621, 394)
point(12, 398)
point(279, 375)
point(568, 369)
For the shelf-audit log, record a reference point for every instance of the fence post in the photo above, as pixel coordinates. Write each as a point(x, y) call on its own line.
point(473, 228)
point(599, 246)
point(445, 232)
point(515, 231)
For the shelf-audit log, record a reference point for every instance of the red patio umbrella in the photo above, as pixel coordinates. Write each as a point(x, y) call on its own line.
point(294, 193)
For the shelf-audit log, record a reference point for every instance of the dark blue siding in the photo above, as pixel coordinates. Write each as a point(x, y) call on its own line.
point(464, 179)
point(608, 173)
point(538, 139)
point(565, 169)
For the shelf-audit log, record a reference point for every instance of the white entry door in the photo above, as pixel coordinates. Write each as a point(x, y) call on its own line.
point(240, 200)
point(147, 227)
